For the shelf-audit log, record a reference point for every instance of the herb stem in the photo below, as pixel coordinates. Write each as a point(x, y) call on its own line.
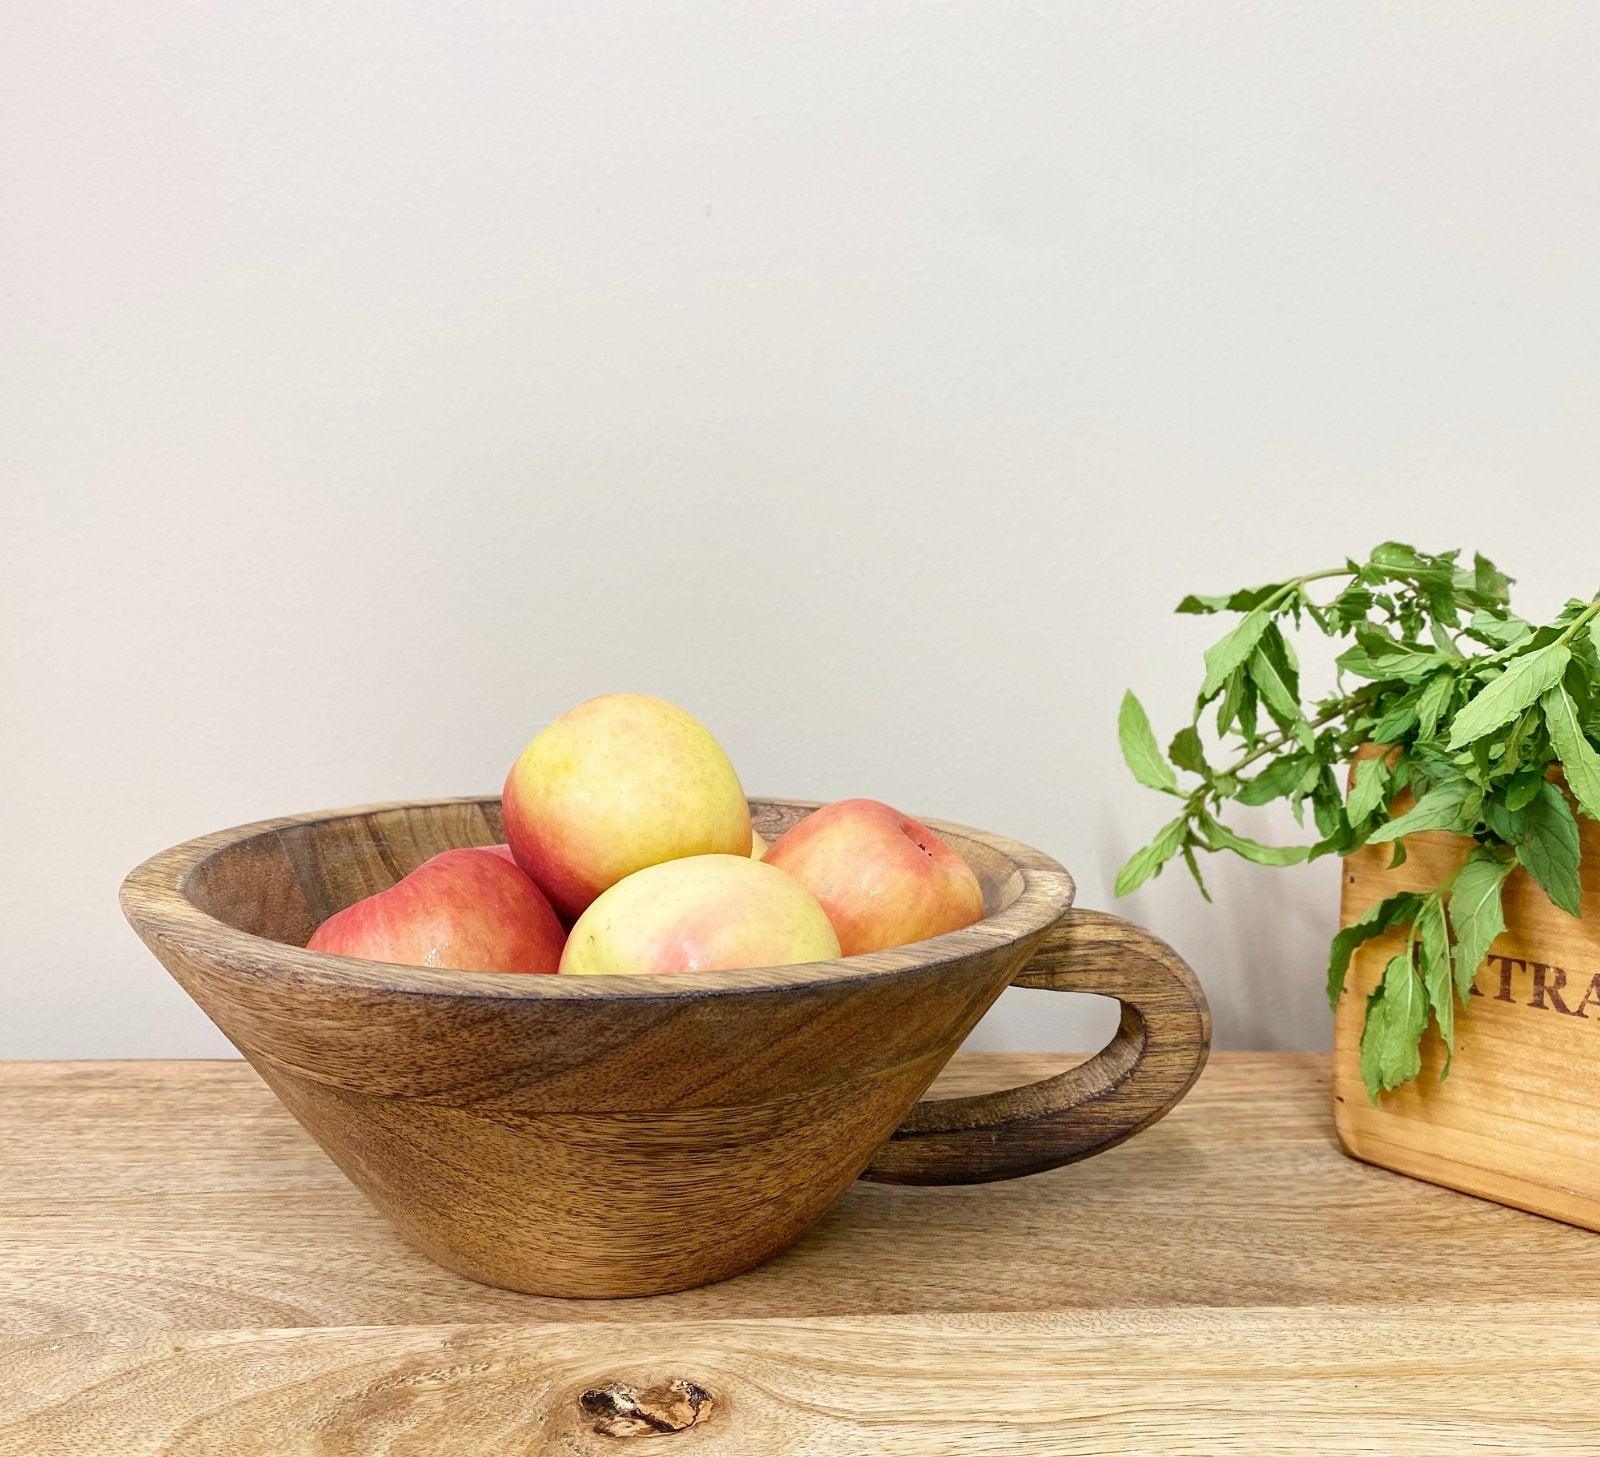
point(1297, 584)
point(1268, 746)
point(1273, 744)
point(1573, 628)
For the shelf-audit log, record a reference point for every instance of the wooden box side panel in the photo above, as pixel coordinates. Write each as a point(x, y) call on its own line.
point(1518, 1118)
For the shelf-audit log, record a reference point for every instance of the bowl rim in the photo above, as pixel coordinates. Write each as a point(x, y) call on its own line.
point(155, 898)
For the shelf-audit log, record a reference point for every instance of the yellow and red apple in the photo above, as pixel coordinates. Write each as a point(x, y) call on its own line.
point(615, 785)
point(463, 910)
point(700, 913)
point(884, 878)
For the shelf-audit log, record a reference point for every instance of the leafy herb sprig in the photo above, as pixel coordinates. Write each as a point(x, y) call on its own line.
point(1466, 707)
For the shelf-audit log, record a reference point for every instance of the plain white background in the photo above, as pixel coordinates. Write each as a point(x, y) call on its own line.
point(870, 378)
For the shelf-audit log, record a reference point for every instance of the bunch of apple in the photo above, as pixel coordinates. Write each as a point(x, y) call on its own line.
point(625, 820)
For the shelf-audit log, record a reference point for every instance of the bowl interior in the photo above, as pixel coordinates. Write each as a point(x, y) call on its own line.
point(282, 882)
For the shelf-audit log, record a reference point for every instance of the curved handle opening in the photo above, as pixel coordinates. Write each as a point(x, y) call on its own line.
point(1163, 1036)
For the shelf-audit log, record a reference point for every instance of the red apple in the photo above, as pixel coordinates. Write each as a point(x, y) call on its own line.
point(884, 878)
point(701, 913)
point(614, 785)
point(465, 910)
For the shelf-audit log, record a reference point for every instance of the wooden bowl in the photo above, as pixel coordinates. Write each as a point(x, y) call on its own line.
point(616, 1135)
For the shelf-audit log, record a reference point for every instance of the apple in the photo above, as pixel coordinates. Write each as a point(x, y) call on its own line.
point(616, 784)
point(465, 910)
point(758, 846)
point(701, 913)
point(884, 878)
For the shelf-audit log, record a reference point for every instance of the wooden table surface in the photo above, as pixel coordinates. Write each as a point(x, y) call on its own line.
point(181, 1271)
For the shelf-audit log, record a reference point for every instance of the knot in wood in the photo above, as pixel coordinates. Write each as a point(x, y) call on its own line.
point(620, 1410)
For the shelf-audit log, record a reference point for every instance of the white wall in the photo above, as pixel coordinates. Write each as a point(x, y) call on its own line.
point(871, 378)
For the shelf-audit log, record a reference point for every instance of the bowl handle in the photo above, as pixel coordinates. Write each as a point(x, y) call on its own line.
point(1159, 1048)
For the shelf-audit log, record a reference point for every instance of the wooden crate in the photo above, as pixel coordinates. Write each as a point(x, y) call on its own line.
point(1518, 1118)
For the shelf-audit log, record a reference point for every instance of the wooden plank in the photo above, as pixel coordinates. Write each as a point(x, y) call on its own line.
point(182, 1272)
point(1330, 1380)
point(142, 1197)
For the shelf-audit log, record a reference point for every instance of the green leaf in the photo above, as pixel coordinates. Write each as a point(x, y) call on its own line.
point(1241, 601)
point(1409, 665)
point(1233, 651)
point(1408, 662)
point(1434, 943)
point(1476, 915)
point(1194, 604)
point(1222, 838)
point(1397, 722)
point(1432, 701)
point(1282, 703)
point(1548, 846)
point(1187, 752)
point(1194, 869)
point(1397, 1012)
point(1327, 805)
point(1355, 660)
point(1352, 604)
point(1394, 554)
point(1522, 791)
point(1443, 641)
point(1515, 741)
point(1441, 808)
point(1367, 790)
point(1578, 757)
point(1381, 659)
point(1139, 747)
point(1488, 581)
point(1282, 651)
point(1143, 864)
point(1247, 708)
point(1232, 701)
point(1524, 681)
point(1394, 911)
point(1304, 786)
point(1504, 822)
point(1276, 780)
point(1503, 631)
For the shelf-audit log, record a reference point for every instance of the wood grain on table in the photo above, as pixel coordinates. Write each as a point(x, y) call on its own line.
point(181, 1271)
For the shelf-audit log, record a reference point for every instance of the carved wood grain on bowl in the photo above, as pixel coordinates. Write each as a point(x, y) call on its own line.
point(625, 1135)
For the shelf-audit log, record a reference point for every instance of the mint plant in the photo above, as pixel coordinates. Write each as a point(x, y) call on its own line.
point(1469, 708)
